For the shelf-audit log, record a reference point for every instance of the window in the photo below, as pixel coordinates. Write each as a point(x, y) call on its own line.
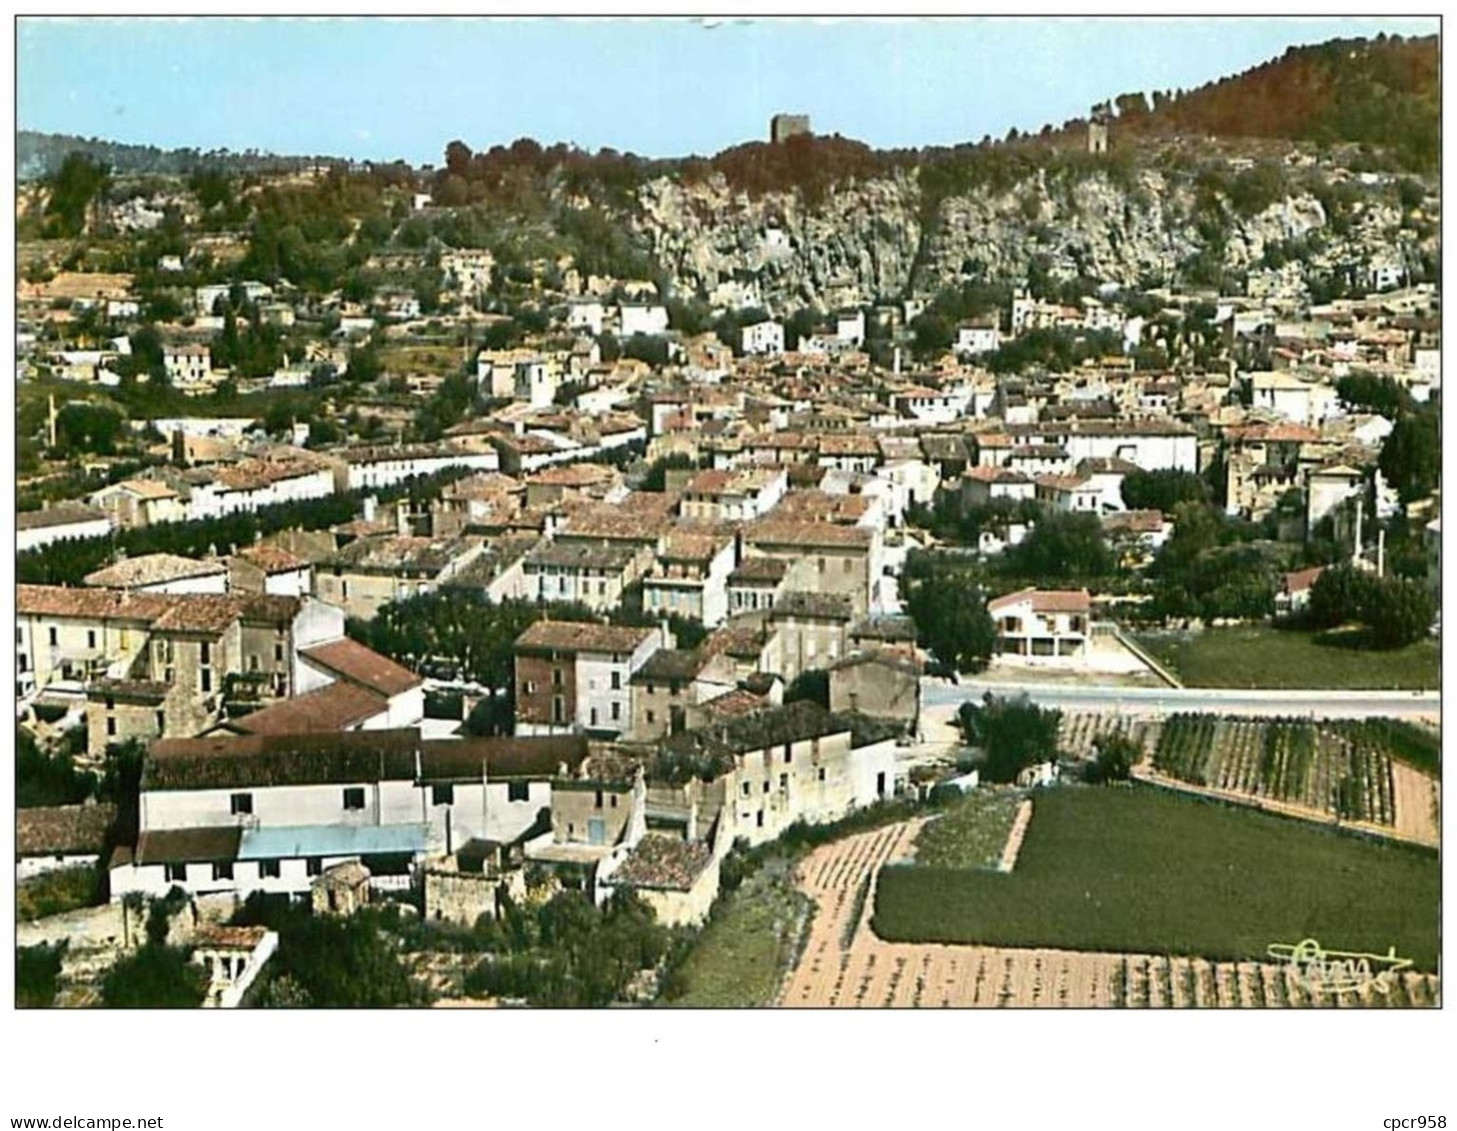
point(314, 866)
point(223, 870)
point(51, 633)
point(558, 710)
point(241, 803)
point(206, 653)
point(206, 680)
point(556, 677)
point(442, 794)
point(759, 820)
point(344, 586)
point(161, 722)
point(652, 718)
point(518, 791)
point(783, 783)
point(848, 564)
point(278, 653)
point(616, 681)
point(599, 799)
point(252, 663)
point(176, 873)
point(616, 711)
point(110, 726)
point(788, 753)
point(268, 870)
point(822, 773)
point(767, 785)
point(354, 798)
point(747, 789)
point(612, 800)
point(90, 638)
point(594, 716)
point(528, 688)
point(822, 565)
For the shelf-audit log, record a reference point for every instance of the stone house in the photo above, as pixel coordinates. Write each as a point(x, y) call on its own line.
point(574, 676)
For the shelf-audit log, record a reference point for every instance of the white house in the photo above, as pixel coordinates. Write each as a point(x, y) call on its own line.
point(34, 529)
point(587, 315)
point(642, 319)
point(1042, 626)
point(765, 337)
point(850, 327)
point(975, 338)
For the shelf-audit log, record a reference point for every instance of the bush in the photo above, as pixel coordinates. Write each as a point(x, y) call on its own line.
point(155, 977)
point(1014, 732)
point(37, 972)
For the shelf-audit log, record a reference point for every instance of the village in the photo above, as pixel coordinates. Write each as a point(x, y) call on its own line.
point(469, 582)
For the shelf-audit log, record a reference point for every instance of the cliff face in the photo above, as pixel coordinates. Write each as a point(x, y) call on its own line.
point(868, 241)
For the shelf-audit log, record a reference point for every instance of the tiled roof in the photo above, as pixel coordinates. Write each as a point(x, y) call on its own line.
point(581, 636)
point(582, 555)
point(92, 604)
point(331, 708)
point(800, 603)
point(271, 559)
point(1045, 600)
point(218, 936)
point(152, 569)
point(63, 830)
point(759, 569)
point(261, 760)
point(181, 846)
point(827, 534)
point(538, 758)
point(667, 664)
point(58, 516)
point(363, 666)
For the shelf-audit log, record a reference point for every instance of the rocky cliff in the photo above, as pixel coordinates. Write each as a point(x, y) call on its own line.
point(882, 239)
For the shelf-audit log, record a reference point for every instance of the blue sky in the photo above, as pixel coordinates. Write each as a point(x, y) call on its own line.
point(382, 89)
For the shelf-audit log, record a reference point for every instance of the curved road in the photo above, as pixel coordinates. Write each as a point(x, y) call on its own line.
point(1316, 703)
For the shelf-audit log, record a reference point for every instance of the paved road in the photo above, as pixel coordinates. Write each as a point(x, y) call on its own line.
point(1164, 700)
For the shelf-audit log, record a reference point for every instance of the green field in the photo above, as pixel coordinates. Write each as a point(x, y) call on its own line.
point(972, 832)
point(1261, 656)
point(740, 958)
point(1139, 870)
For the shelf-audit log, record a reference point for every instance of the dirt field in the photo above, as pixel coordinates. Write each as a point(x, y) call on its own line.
point(845, 965)
point(1416, 804)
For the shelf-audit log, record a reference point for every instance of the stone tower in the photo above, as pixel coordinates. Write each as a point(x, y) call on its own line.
point(783, 126)
point(1098, 128)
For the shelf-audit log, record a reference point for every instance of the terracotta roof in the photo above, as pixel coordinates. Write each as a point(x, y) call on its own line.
point(801, 603)
point(271, 559)
point(94, 604)
point(200, 612)
point(1301, 579)
point(218, 936)
point(63, 830)
point(332, 708)
point(1045, 600)
point(759, 569)
point(361, 665)
point(1135, 522)
point(581, 636)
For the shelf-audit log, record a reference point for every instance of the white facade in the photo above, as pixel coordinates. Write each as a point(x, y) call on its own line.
point(384, 469)
point(974, 340)
point(37, 536)
point(587, 316)
point(762, 338)
point(650, 320)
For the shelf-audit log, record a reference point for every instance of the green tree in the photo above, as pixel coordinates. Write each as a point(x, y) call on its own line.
point(1340, 595)
point(952, 621)
point(1399, 612)
point(154, 977)
point(1062, 546)
point(1162, 490)
point(1116, 756)
point(813, 685)
point(1411, 457)
point(37, 971)
point(79, 181)
point(1014, 733)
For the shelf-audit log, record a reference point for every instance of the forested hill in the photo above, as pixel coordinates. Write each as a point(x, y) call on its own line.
point(39, 155)
point(1382, 92)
